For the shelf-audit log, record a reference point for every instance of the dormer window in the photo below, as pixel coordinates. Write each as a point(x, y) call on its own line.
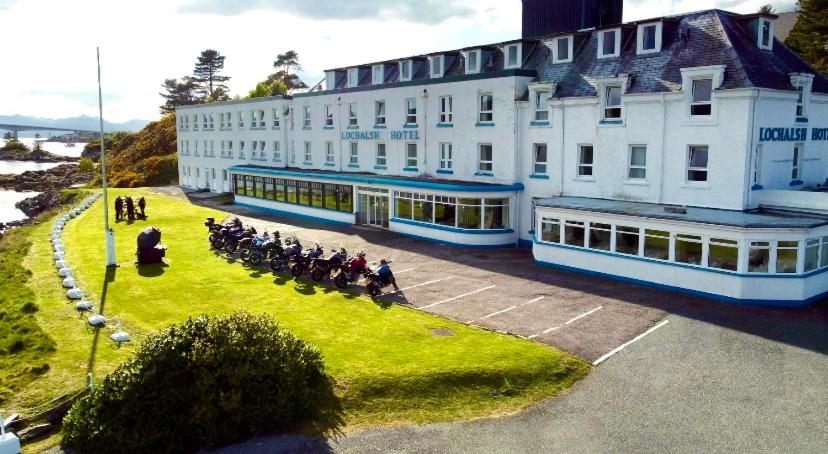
point(405, 70)
point(330, 80)
point(609, 43)
point(702, 105)
point(473, 62)
point(765, 31)
point(562, 50)
point(436, 66)
point(649, 38)
point(378, 74)
point(353, 77)
point(513, 57)
point(612, 102)
point(802, 84)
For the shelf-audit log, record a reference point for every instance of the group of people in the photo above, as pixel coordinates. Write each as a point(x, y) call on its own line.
point(125, 209)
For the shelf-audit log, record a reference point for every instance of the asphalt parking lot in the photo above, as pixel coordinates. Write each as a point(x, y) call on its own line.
point(500, 290)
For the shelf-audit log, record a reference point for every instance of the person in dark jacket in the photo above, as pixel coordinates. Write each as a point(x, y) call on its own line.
point(142, 205)
point(130, 208)
point(119, 208)
point(385, 274)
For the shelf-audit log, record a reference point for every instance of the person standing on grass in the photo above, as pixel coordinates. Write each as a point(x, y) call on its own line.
point(142, 205)
point(119, 208)
point(130, 208)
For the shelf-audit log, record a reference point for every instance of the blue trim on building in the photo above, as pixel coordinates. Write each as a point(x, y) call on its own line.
point(539, 124)
point(538, 176)
point(450, 243)
point(380, 126)
point(380, 167)
point(328, 128)
point(685, 291)
point(294, 215)
point(352, 127)
point(611, 122)
point(353, 166)
point(797, 183)
point(410, 126)
point(369, 179)
point(483, 174)
point(451, 229)
point(410, 169)
point(801, 119)
point(757, 187)
point(445, 172)
point(307, 163)
point(330, 164)
point(484, 124)
point(445, 125)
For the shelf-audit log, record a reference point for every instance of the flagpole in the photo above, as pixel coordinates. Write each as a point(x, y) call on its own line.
point(108, 232)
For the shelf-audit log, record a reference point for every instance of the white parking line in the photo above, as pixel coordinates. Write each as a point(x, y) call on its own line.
point(509, 309)
point(404, 271)
point(458, 297)
point(623, 346)
point(419, 285)
point(568, 322)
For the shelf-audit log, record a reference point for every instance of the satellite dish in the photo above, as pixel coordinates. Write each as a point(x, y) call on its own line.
point(96, 321)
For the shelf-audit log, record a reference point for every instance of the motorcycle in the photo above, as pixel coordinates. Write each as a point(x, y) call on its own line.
point(254, 250)
point(350, 271)
point(321, 268)
point(373, 283)
point(217, 231)
point(283, 255)
point(300, 263)
point(232, 241)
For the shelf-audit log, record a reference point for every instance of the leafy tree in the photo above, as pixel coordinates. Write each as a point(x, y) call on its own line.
point(8, 136)
point(207, 68)
point(268, 88)
point(766, 9)
point(809, 37)
point(182, 92)
point(284, 64)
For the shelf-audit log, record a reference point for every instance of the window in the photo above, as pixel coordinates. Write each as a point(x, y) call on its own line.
point(697, 158)
point(470, 213)
point(823, 260)
point(702, 104)
point(496, 214)
point(649, 38)
point(436, 66)
point(405, 70)
point(600, 236)
point(486, 114)
point(290, 116)
point(657, 244)
point(586, 161)
point(485, 154)
point(354, 156)
point(204, 119)
point(812, 254)
point(800, 101)
point(292, 152)
point(352, 115)
point(512, 56)
point(574, 233)
point(260, 115)
point(796, 162)
point(759, 257)
point(612, 103)
point(787, 253)
point(411, 111)
point(609, 43)
point(550, 230)
point(241, 119)
point(277, 150)
point(638, 163)
point(446, 112)
point(230, 148)
point(306, 117)
point(765, 34)
point(446, 162)
point(378, 74)
point(757, 166)
point(224, 175)
point(308, 152)
point(562, 50)
point(318, 195)
point(472, 62)
point(382, 157)
point(689, 249)
point(379, 111)
point(540, 159)
point(329, 116)
point(445, 211)
point(411, 160)
point(541, 105)
point(329, 153)
point(627, 240)
point(353, 77)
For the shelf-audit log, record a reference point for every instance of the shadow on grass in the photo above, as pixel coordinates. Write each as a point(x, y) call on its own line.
point(109, 277)
point(154, 270)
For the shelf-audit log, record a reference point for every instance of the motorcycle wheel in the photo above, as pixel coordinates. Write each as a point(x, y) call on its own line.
point(297, 270)
point(276, 265)
point(317, 274)
point(255, 259)
point(373, 290)
point(341, 280)
point(230, 248)
point(245, 255)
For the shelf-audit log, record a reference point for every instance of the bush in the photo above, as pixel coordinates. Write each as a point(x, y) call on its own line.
point(86, 165)
point(206, 382)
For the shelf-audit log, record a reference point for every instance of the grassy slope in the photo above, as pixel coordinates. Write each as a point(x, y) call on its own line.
point(388, 365)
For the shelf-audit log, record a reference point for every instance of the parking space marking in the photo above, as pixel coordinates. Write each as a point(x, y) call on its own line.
point(568, 322)
point(509, 309)
point(404, 271)
point(458, 297)
point(627, 344)
point(419, 285)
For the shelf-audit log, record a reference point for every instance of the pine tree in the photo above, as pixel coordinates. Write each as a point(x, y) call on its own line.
point(207, 68)
point(809, 37)
point(284, 64)
point(180, 93)
point(766, 9)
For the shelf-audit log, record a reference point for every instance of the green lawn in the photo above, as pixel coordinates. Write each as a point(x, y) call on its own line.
point(387, 364)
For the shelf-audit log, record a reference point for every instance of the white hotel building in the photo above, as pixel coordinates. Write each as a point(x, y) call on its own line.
point(684, 152)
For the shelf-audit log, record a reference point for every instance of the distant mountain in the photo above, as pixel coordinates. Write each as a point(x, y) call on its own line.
point(83, 122)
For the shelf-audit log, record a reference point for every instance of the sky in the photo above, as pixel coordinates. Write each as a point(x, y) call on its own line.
point(48, 69)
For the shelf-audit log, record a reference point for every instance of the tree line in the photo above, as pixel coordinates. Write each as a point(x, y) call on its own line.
point(207, 84)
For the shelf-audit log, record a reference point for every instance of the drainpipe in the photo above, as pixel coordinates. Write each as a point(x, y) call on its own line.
point(563, 144)
point(663, 147)
point(518, 166)
point(752, 156)
point(425, 130)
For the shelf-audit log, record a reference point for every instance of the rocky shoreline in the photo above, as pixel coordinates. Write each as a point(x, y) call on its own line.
point(15, 154)
point(60, 177)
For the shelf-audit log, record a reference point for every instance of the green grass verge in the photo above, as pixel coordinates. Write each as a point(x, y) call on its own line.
point(387, 364)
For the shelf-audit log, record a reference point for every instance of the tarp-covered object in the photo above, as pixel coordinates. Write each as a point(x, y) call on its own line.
point(149, 238)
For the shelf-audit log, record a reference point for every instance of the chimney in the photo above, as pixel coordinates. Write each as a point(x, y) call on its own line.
point(547, 17)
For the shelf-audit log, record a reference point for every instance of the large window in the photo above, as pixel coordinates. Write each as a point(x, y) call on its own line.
point(724, 254)
point(326, 196)
point(689, 249)
point(638, 163)
point(540, 159)
point(550, 230)
point(446, 110)
point(657, 244)
point(473, 62)
point(627, 240)
point(512, 56)
point(486, 113)
point(697, 159)
point(574, 233)
point(787, 253)
point(379, 112)
point(562, 50)
point(485, 163)
point(812, 254)
point(586, 161)
point(405, 70)
point(446, 162)
point(609, 43)
point(759, 257)
point(702, 104)
point(600, 236)
point(411, 111)
point(469, 214)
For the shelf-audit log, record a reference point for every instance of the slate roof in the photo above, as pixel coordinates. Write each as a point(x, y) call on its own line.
point(705, 38)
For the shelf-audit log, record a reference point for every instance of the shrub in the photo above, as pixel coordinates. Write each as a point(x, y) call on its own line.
point(200, 384)
point(86, 165)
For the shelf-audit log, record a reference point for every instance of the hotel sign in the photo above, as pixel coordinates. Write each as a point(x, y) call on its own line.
point(357, 135)
point(792, 134)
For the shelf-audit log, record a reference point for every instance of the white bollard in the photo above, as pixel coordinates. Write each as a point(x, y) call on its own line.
point(59, 256)
point(68, 283)
point(61, 264)
point(75, 294)
point(65, 272)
